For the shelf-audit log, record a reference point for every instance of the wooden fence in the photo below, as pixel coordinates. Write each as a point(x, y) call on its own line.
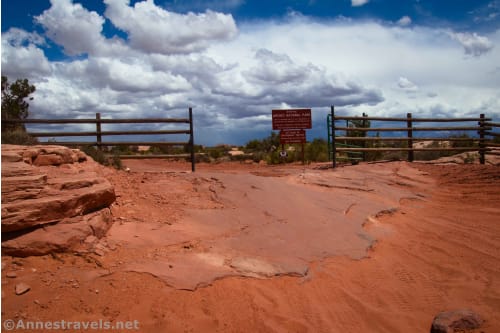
point(99, 134)
point(482, 126)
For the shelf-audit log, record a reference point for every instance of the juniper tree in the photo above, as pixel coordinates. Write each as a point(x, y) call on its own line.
point(15, 97)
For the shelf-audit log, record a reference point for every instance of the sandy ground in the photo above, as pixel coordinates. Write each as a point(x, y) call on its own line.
point(247, 248)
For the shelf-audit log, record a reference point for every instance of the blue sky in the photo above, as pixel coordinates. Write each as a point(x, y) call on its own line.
point(235, 60)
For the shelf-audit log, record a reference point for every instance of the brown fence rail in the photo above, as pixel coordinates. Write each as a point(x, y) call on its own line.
point(482, 126)
point(99, 133)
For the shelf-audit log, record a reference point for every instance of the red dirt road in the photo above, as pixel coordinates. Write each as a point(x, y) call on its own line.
point(437, 248)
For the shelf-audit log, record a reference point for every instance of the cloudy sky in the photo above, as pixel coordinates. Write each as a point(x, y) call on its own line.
point(234, 61)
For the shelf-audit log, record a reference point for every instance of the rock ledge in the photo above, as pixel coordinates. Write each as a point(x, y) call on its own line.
point(53, 198)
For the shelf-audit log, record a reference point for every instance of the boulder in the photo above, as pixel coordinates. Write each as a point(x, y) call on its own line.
point(53, 198)
point(8, 156)
point(458, 320)
point(23, 214)
point(41, 155)
point(68, 235)
point(22, 187)
point(48, 159)
point(16, 169)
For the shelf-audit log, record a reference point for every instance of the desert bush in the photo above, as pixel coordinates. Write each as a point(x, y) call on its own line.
point(96, 154)
point(469, 158)
point(430, 155)
point(373, 155)
point(121, 150)
point(240, 158)
point(116, 162)
point(394, 155)
point(200, 158)
point(18, 136)
point(268, 149)
point(273, 157)
point(267, 144)
point(168, 149)
point(258, 156)
point(317, 151)
point(254, 145)
point(467, 143)
point(101, 158)
point(293, 156)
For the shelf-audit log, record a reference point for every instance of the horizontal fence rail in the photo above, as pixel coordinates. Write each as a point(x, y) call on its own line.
point(357, 128)
point(402, 129)
point(99, 120)
point(103, 133)
point(99, 134)
point(410, 149)
point(371, 138)
point(116, 143)
point(420, 120)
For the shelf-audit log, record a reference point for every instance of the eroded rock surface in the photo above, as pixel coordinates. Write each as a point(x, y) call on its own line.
point(461, 320)
point(53, 198)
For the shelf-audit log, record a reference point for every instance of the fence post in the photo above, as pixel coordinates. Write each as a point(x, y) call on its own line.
point(329, 135)
point(191, 139)
point(481, 139)
point(98, 130)
point(364, 135)
point(334, 148)
point(410, 137)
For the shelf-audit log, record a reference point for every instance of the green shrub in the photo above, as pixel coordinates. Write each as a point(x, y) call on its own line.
point(240, 158)
point(469, 158)
point(317, 151)
point(96, 154)
point(116, 162)
point(469, 142)
point(18, 137)
point(200, 158)
point(273, 157)
point(101, 158)
point(258, 156)
point(394, 155)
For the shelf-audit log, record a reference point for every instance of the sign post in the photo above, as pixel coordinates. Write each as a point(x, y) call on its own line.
point(292, 124)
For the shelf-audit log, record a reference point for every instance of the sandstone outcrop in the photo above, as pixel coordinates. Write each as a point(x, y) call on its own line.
point(461, 320)
point(53, 198)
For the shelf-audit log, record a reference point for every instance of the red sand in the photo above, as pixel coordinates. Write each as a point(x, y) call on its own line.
point(280, 249)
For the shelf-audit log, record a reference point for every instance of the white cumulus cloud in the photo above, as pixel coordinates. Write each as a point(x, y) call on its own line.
point(273, 68)
point(21, 54)
point(282, 80)
point(404, 21)
point(72, 26)
point(406, 84)
point(153, 29)
point(473, 43)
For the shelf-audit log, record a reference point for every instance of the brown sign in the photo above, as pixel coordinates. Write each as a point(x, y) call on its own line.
point(292, 119)
point(292, 136)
